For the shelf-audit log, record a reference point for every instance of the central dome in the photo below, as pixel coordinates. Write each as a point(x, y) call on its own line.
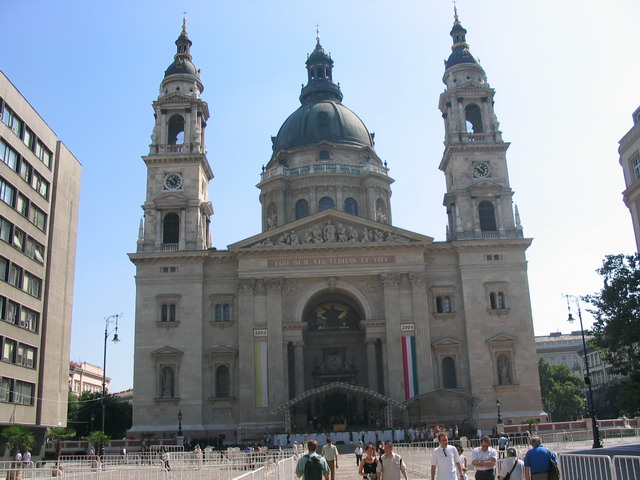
point(322, 120)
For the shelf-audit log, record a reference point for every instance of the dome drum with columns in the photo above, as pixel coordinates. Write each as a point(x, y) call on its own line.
point(330, 317)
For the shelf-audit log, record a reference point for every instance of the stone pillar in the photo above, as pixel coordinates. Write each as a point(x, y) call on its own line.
point(246, 351)
point(394, 381)
point(183, 229)
point(385, 374)
point(500, 219)
point(426, 380)
point(299, 366)
point(475, 217)
point(275, 356)
point(372, 374)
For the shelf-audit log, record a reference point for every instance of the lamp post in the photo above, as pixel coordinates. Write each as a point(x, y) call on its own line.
point(111, 319)
point(180, 423)
point(499, 404)
point(587, 377)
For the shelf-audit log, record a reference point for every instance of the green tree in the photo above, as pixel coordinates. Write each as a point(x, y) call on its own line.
point(85, 414)
point(16, 437)
point(58, 435)
point(98, 441)
point(616, 331)
point(561, 391)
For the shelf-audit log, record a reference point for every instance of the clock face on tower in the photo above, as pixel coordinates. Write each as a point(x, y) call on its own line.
point(172, 181)
point(481, 169)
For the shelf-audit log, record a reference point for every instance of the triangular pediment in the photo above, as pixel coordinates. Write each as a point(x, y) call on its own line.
point(502, 338)
point(331, 228)
point(170, 199)
point(175, 97)
point(167, 352)
point(486, 184)
point(221, 350)
point(448, 342)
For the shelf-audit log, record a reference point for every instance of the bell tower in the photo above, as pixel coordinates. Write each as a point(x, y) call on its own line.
point(177, 212)
point(479, 197)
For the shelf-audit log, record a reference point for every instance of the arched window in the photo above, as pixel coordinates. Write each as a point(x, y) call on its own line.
point(171, 228)
point(473, 116)
point(325, 202)
point(351, 206)
point(176, 130)
point(167, 382)
point(487, 216)
point(302, 209)
point(449, 379)
point(222, 382)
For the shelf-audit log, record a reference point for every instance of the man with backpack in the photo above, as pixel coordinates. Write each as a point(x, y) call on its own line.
point(312, 466)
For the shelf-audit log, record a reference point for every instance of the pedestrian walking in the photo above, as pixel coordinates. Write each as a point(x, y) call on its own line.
point(330, 454)
point(390, 465)
point(512, 468)
point(312, 466)
point(484, 458)
point(537, 461)
point(445, 460)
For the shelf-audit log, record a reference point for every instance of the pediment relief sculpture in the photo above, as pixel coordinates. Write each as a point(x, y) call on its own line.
point(331, 233)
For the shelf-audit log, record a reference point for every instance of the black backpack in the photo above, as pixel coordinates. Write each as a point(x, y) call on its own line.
point(313, 468)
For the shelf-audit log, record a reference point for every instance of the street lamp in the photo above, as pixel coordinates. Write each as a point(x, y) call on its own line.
point(180, 422)
point(499, 404)
point(111, 319)
point(587, 377)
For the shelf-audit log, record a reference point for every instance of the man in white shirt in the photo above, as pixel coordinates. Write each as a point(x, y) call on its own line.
point(484, 458)
point(445, 460)
point(512, 465)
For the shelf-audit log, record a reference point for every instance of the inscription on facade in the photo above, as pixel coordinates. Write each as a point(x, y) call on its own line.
point(322, 262)
point(260, 332)
point(407, 327)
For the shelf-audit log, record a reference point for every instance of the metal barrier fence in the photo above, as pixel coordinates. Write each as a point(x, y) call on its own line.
point(262, 465)
point(572, 466)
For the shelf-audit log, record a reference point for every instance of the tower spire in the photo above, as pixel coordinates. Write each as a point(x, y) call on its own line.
point(320, 76)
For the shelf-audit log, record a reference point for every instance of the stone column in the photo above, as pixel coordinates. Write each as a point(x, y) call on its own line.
point(423, 332)
point(475, 217)
point(183, 229)
point(372, 375)
point(385, 375)
point(394, 379)
point(246, 351)
point(500, 219)
point(275, 356)
point(298, 358)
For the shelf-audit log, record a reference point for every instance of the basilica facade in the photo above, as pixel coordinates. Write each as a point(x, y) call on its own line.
point(330, 317)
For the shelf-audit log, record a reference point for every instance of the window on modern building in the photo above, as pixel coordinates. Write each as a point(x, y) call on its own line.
point(43, 153)
point(171, 228)
point(351, 206)
point(26, 356)
point(5, 230)
point(8, 155)
point(18, 238)
point(28, 138)
point(6, 389)
point(40, 185)
point(487, 216)
point(7, 192)
point(4, 269)
point(302, 209)
point(29, 319)
point(9, 350)
point(3, 304)
point(10, 119)
point(168, 312)
point(34, 250)
point(325, 203)
point(38, 217)
point(12, 312)
point(25, 170)
point(15, 275)
point(22, 205)
point(32, 284)
point(449, 379)
point(176, 130)
point(23, 394)
point(222, 382)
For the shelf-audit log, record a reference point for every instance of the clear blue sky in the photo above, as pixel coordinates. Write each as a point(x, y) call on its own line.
point(566, 76)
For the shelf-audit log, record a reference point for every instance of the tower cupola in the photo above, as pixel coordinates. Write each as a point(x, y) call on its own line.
point(182, 61)
point(320, 84)
point(460, 52)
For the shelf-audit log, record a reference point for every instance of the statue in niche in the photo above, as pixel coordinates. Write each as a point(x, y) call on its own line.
point(272, 221)
point(331, 316)
point(504, 370)
point(167, 382)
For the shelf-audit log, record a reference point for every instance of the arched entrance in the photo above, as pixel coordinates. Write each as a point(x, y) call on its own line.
point(333, 350)
point(384, 406)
